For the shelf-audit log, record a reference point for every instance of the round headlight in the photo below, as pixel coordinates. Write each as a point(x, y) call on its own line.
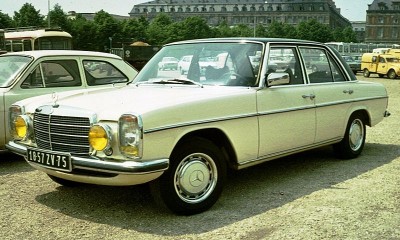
point(21, 127)
point(99, 137)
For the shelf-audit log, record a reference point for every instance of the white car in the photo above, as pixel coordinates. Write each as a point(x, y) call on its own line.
point(182, 133)
point(27, 74)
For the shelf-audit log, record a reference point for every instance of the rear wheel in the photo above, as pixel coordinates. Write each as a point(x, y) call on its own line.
point(353, 142)
point(366, 73)
point(194, 180)
point(392, 74)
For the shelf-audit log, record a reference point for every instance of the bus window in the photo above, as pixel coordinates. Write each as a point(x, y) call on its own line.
point(40, 39)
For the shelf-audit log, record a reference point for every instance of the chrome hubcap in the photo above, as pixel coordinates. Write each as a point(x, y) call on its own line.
point(195, 178)
point(356, 134)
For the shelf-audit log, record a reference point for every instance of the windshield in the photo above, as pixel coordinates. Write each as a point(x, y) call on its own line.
point(11, 66)
point(221, 63)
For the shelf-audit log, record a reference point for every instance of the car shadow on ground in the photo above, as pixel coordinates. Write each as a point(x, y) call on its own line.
point(11, 163)
point(248, 193)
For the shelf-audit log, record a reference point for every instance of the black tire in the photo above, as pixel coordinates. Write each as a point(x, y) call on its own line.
point(392, 74)
point(354, 139)
point(194, 180)
point(366, 73)
point(64, 182)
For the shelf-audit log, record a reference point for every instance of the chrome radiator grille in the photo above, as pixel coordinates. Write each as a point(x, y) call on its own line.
point(62, 133)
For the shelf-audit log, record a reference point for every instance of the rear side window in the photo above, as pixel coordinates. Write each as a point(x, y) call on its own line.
point(58, 73)
point(321, 68)
point(100, 73)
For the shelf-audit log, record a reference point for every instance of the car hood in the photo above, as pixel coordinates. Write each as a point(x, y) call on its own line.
point(171, 103)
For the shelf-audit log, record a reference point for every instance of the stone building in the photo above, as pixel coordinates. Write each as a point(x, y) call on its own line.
point(248, 12)
point(383, 22)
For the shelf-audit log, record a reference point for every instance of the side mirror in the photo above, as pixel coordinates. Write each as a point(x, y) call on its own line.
point(278, 78)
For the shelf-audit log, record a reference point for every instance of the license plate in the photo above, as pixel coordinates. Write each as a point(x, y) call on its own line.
point(48, 159)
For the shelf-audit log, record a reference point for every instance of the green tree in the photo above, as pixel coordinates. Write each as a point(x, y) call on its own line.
point(314, 31)
point(134, 30)
point(82, 32)
point(196, 27)
point(28, 16)
point(5, 21)
point(349, 35)
point(275, 30)
point(223, 30)
point(58, 18)
point(242, 30)
point(158, 29)
point(107, 29)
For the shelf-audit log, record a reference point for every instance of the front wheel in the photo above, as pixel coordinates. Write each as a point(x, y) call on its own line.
point(366, 73)
point(195, 178)
point(353, 142)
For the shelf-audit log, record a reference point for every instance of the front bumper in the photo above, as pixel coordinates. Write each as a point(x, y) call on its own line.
point(104, 166)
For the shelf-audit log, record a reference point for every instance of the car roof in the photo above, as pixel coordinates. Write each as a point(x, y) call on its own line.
point(249, 39)
point(42, 53)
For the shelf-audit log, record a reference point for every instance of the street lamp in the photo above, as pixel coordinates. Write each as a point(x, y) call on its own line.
point(48, 13)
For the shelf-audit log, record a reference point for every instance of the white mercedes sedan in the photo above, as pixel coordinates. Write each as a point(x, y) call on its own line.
point(182, 131)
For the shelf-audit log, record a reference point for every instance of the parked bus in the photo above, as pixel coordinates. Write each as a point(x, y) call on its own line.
point(359, 48)
point(36, 39)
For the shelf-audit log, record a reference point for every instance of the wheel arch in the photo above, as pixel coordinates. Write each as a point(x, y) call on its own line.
point(365, 115)
point(217, 137)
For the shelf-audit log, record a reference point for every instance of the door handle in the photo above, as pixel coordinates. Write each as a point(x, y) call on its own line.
point(311, 96)
point(349, 91)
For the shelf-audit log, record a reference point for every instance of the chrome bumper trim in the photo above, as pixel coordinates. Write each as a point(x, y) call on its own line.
point(99, 165)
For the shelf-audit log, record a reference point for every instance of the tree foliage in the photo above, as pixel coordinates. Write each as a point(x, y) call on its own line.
point(105, 31)
point(28, 16)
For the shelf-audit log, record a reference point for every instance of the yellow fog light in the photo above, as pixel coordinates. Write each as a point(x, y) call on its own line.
point(100, 137)
point(21, 127)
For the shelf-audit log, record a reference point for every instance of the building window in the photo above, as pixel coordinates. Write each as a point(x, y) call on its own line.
point(244, 8)
point(270, 8)
point(203, 9)
point(172, 9)
point(188, 9)
point(196, 9)
point(145, 10)
point(137, 10)
point(223, 9)
point(395, 20)
point(235, 8)
point(261, 8)
point(212, 9)
point(380, 20)
point(153, 9)
point(380, 32)
point(180, 9)
point(395, 33)
point(253, 8)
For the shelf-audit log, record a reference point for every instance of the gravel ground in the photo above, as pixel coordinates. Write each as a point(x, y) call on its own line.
point(310, 195)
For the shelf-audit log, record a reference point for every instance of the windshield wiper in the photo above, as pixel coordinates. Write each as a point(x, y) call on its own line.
point(174, 81)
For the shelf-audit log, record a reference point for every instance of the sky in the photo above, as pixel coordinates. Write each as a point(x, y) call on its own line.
point(354, 10)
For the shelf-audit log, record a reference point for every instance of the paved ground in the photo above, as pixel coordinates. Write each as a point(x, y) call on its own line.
point(306, 196)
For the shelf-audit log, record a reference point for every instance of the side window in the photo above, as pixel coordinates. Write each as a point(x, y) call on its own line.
point(320, 67)
point(285, 59)
point(63, 73)
point(100, 73)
